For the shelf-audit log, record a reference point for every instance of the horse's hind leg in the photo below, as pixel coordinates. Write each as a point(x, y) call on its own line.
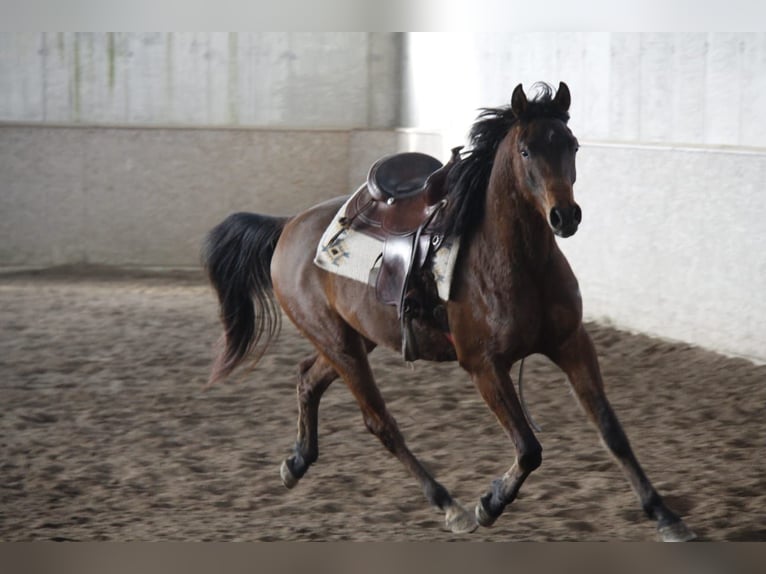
point(314, 377)
point(577, 358)
point(350, 360)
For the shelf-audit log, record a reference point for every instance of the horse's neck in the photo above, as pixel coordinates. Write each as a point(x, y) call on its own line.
point(515, 230)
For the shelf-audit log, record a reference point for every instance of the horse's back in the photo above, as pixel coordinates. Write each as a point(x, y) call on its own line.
point(297, 246)
point(317, 217)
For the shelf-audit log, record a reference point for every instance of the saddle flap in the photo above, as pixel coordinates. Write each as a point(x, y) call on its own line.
point(394, 269)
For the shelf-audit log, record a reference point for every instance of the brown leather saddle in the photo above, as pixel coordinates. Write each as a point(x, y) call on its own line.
point(400, 193)
point(400, 205)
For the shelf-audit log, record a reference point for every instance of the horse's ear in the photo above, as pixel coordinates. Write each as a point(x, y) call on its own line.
point(518, 101)
point(563, 98)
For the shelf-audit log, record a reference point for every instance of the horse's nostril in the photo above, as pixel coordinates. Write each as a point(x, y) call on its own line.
point(556, 219)
point(577, 213)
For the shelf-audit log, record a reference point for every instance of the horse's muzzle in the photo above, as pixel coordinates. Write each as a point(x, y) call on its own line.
point(565, 220)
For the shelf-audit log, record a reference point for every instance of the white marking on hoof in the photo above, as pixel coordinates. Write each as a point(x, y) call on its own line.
point(287, 477)
point(482, 518)
point(459, 520)
point(676, 532)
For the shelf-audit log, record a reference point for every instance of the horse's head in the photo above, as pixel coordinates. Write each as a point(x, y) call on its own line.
point(543, 158)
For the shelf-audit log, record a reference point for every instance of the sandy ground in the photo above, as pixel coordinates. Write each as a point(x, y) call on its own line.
point(106, 431)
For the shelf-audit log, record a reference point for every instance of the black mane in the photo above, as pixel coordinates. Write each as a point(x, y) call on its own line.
point(469, 178)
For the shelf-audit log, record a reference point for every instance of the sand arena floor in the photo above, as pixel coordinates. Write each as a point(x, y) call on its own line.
point(106, 431)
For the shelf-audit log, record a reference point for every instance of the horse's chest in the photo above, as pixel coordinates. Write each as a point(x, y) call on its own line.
point(518, 315)
point(530, 317)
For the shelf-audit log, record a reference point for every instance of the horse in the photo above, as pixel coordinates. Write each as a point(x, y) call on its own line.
point(513, 294)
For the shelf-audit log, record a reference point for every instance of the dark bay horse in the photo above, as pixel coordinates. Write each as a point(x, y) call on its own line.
point(513, 294)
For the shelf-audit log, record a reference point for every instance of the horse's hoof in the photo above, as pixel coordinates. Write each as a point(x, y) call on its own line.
point(483, 518)
point(288, 479)
point(676, 532)
point(459, 520)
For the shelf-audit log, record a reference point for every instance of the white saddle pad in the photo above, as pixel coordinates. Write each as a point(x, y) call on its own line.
point(355, 255)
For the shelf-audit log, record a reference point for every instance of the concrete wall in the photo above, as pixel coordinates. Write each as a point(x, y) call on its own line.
point(146, 196)
point(670, 172)
point(701, 89)
point(672, 243)
point(303, 80)
point(98, 163)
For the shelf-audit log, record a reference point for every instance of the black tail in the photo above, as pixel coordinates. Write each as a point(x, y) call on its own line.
point(237, 257)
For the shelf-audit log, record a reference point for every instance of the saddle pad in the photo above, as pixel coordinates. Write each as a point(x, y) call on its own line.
point(355, 255)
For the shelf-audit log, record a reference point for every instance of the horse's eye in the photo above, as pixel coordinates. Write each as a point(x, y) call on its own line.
point(524, 152)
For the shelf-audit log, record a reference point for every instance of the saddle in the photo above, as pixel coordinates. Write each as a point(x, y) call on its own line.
point(398, 196)
point(400, 205)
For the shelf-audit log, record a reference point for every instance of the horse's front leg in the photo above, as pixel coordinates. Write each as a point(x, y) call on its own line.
point(577, 358)
point(496, 388)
